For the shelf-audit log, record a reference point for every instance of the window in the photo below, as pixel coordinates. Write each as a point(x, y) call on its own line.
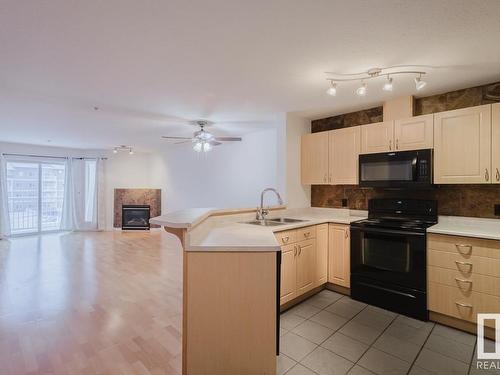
point(35, 192)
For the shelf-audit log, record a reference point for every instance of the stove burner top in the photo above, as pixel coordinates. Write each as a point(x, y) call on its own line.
point(395, 223)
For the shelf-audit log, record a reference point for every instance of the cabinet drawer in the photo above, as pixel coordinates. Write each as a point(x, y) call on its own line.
point(466, 282)
point(286, 237)
point(471, 265)
point(465, 246)
point(306, 233)
point(452, 301)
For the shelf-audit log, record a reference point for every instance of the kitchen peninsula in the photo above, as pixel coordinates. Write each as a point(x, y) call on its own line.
point(231, 275)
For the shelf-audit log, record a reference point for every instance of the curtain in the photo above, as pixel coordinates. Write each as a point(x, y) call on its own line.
point(67, 218)
point(101, 194)
point(85, 195)
point(4, 204)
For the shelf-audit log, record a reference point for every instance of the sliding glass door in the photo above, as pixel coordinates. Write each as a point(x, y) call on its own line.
point(35, 196)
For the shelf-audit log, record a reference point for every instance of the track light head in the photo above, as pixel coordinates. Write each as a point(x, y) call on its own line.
point(362, 90)
point(388, 84)
point(332, 90)
point(419, 83)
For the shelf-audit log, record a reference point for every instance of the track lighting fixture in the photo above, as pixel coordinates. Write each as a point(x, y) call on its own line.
point(390, 72)
point(388, 84)
point(123, 148)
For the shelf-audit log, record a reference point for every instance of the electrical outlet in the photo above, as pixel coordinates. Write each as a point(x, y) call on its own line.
point(497, 209)
point(344, 202)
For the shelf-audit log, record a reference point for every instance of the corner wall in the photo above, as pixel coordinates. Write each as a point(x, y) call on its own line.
point(297, 195)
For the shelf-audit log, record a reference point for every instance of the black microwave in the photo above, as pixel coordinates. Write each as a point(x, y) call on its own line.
point(400, 169)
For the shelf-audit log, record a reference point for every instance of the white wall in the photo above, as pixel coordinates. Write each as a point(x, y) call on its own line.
point(298, 195)
point(231, 175)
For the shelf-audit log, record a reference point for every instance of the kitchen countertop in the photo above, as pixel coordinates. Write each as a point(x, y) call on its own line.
point(467, 226)
point(228, 232)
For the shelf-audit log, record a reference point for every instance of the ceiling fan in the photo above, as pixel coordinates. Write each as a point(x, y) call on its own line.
point(202, 140)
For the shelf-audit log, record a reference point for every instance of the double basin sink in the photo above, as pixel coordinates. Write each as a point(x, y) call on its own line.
point(274, 222)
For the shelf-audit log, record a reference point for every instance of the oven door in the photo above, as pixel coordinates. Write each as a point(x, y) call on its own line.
point(392, 256)
point(396, 169)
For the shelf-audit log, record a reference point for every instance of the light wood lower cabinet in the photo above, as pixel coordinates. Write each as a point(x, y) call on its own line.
point(463, 276)
point(288, 290)
point(321, 254)
point(298, 262)
point(306, 266)
point(339, 255)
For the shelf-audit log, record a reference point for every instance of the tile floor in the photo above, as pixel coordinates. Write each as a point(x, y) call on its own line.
point(331, 334)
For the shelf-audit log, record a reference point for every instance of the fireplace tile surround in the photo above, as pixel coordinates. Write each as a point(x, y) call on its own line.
point(456, 200)
point(150, 197)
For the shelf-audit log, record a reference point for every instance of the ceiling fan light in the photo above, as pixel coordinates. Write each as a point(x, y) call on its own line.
point(362, 90)
point(332, 90)
point(388, 86)
point(207, 147)
point(419, 83)
point(197, 146)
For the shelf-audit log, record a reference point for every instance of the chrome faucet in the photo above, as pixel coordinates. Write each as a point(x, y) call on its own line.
point(261, 212)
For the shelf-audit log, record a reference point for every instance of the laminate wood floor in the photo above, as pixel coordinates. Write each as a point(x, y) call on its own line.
point(91, 303)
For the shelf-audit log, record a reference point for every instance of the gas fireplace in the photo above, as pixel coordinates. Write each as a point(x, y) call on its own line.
point(135, 217)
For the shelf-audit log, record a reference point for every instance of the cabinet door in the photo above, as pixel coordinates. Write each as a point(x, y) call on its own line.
point(314, 158)
point(339, 256)
point(306, 265)
point(495, 143)
point(345, 146)
point(288, 290)
point(321, 254)
point(377, 137)
point(414, 133)
point(462, 146)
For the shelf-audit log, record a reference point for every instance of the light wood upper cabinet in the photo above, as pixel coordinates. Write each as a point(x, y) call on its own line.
point(462, 146)
point(414, 133)
point(339, 255)
point(306, 265)
point(345, 146)
point(495, 143)
point(288, 290)
point(314, 158)
point(377, 137)
point(321, 254)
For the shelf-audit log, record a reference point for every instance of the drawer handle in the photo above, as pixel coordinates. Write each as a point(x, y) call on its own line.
point(486, 175)
point(498, 175)
point(464, 281)
point(300, 249)
point(466, 305)
point(285, 239)
point(463, 246)
point(307, 234)
point(458, 263)
point(295, 250)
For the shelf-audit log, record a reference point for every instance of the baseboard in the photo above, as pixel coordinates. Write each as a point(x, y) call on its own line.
point(335, 288)
point(460, 324)
point(338, 289)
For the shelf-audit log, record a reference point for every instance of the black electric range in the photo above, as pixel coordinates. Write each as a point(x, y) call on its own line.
point(389, 255)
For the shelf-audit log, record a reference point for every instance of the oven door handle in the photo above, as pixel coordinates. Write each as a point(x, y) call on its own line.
point(388, 231)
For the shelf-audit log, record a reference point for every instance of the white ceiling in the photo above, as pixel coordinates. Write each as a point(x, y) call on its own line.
point(147, 64)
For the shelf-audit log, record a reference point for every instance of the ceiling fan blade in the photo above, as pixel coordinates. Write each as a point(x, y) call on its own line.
point(228, 139)
point(181, 142)
point(166, 137)
point(214, 143)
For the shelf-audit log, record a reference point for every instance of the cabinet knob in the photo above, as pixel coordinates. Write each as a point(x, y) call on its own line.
point(285, 239)
point(466, 305)
point(486, 175)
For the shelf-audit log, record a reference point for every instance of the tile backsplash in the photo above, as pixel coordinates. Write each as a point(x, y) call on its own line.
point(456, 200)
